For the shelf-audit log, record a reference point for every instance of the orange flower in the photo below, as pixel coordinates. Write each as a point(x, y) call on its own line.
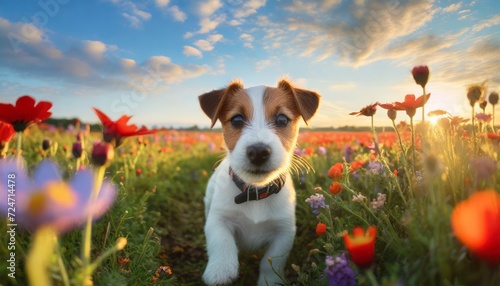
point(336, 188)
point(320, 228)
point(335, 171)
point(357, 165)
point(476, 224)
point(411, 103)
point(361, 245)
point(115, 131)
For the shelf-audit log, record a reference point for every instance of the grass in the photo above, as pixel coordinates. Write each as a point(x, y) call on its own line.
point(160, 209)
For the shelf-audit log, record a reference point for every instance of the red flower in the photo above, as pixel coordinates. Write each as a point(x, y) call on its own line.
point(420, 75)
point(6, 133)
point(368, 110)
point(116, 131)
point(25, 112)
point(357, 165)
point(411, 103)
point(336, 188)
point(320, 228)
point(335, 171)
point(361, 245)
point(476, 224)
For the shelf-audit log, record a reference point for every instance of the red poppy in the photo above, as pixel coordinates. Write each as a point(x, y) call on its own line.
point(476, 224)
point(6, 132)
point(361, 245)
point(336, 188)
point(336, 171)
point(320, 228)
point(357, 165)
point(25, 112)
point(368, 110)
point(420, 75)
point(116, 131)
point(411, 103)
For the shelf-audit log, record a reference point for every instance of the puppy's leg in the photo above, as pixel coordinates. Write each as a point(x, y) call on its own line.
point(222, 267)
point(278, 251)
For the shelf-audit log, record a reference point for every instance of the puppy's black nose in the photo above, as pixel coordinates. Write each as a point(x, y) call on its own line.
point(258, 153)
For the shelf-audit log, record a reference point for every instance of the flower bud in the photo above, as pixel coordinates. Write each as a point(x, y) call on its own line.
point(77, 149)
point(391, 113)
point(420, 75)
point(493, 98)
point(474, 94)
point(46, 144)
point(483, 104)
point(102, 153)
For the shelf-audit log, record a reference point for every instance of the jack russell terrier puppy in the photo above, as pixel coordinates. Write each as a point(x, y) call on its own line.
point(250, 198)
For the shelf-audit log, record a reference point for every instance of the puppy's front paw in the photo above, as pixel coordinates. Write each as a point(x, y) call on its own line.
point(220, 273)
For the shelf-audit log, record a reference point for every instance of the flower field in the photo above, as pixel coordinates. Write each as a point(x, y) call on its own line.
point(416, 205)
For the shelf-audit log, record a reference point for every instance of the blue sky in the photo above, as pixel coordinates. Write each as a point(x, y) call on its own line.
point(152, 58)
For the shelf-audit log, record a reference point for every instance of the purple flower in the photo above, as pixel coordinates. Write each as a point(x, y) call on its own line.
point(339, 272)
point(348, 154)
point(316, 201)
point(47, 200)
point(483, 167)
point(376, 167)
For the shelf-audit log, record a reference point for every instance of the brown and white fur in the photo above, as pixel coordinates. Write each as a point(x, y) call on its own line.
point(253, 224)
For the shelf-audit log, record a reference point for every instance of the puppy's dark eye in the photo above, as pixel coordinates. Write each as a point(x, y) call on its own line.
point(281, 120)
point(238, 121)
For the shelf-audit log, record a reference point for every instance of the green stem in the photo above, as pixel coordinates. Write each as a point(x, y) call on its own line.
point(412, 143)
point(423, 104)
point(18, 151)
point(473, 131)
point(62, 267)
point(371, 278)
point(87, 233)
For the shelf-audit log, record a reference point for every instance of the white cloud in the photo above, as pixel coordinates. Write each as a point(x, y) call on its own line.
point(207, 25)
point(495, 20)
point(246, 37)
point(249, 8)
point(453, 7)
point(234, 22)
point(215, 38)
point(94, 49)
point(192, 51)
point(260, 65)
point(162, 3)
point(363, 31)
point(128, 64)
point(248, 40)
point(178, 15)
point(204, 45)
point(209, 7)
point(84, 64)
point(133, 13)
point(163, 69)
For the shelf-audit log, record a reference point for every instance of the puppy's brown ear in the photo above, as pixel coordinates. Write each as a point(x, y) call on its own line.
point(307, 101)
point(211, 102)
